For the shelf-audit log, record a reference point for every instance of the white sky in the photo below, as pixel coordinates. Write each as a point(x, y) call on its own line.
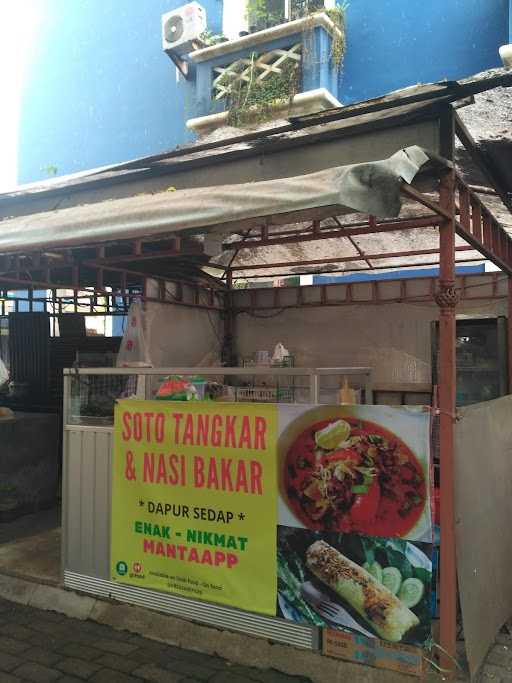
point(18, 22)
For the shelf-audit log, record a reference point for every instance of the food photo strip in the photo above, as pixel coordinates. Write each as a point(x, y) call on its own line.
point(355, 520)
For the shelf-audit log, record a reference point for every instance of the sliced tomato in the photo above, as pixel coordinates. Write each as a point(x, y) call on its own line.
point(365, 506)
point(345, 525)
point(342, 455)
point(313, 491)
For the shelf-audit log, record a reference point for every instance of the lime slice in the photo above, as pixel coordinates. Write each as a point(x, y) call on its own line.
point(333, 435)
point(392, 579)
point(374, 569)
point(411, 592)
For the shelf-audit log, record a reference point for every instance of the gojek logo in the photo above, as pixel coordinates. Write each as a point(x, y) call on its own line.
point(121, 568)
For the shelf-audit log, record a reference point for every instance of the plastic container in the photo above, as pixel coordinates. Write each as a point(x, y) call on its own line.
point(200, 387)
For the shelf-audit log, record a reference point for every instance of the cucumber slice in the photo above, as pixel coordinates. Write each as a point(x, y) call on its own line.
point(411, 592)
point(392, 579)
point(375, 569)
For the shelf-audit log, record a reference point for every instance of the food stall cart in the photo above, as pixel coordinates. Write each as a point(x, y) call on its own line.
point(129, 247)
point(87, 495)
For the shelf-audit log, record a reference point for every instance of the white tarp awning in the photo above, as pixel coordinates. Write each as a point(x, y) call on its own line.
point(372, 188)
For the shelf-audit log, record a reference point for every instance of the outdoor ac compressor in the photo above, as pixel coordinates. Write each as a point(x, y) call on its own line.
point(182, 27)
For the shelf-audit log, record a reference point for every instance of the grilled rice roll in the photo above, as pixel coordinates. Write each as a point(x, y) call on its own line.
point(383, 611)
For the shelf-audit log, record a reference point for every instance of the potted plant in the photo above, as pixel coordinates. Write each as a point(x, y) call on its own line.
point(262, 14)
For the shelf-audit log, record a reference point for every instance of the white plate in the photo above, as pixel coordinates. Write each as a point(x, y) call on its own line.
point(417, 557)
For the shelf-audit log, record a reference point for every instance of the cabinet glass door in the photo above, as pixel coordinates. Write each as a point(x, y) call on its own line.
point(481, 348)
point(477, 361)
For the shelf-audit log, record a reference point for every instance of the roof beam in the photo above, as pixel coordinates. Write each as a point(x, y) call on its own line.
point(350, 271)
point(348, 259)
point(148, 255)
point(330, 294)
point(329, 233)
point(482, 161)
point(371, 221)
point(412, 193)
point(13, 282)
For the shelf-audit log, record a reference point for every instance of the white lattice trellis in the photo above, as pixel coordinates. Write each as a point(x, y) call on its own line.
point(247, 69)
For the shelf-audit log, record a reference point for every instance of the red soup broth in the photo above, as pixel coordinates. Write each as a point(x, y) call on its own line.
point(388, 521)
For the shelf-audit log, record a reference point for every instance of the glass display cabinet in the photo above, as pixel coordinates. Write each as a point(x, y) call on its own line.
point(482, 373)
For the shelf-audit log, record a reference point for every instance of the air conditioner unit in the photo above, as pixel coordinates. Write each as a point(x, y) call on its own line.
point(182, 28)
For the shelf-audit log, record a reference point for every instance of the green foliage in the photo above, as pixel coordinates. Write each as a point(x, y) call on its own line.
point(50, 169)
point(302, 8)
point(338, 46)
point(337, 16)
point(264, 13)
point(209, 38)
point(256, 100)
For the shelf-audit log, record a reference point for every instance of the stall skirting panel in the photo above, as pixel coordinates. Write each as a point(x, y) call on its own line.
point(218, 616)
point(87, 470)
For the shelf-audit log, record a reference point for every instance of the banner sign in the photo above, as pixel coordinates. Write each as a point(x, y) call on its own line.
point(194, 504)
point(317, 514)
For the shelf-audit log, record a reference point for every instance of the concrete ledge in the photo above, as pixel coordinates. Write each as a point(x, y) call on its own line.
point(45, 597)
point(309, 102)
point(288, 28)
point(237, 648)
point(16, 590)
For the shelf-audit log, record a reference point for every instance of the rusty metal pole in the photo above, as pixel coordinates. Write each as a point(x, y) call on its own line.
point(228, 350)
point(447, 299)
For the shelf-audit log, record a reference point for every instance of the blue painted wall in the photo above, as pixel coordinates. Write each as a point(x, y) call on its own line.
point(100, 90)
point(396, 43)
point(393, 275)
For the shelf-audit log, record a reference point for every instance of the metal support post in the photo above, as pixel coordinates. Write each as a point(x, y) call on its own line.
point(314, 388)
point(447, 299)
point(228, 349)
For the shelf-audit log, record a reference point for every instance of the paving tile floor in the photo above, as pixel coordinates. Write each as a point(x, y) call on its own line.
point(43, 647)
